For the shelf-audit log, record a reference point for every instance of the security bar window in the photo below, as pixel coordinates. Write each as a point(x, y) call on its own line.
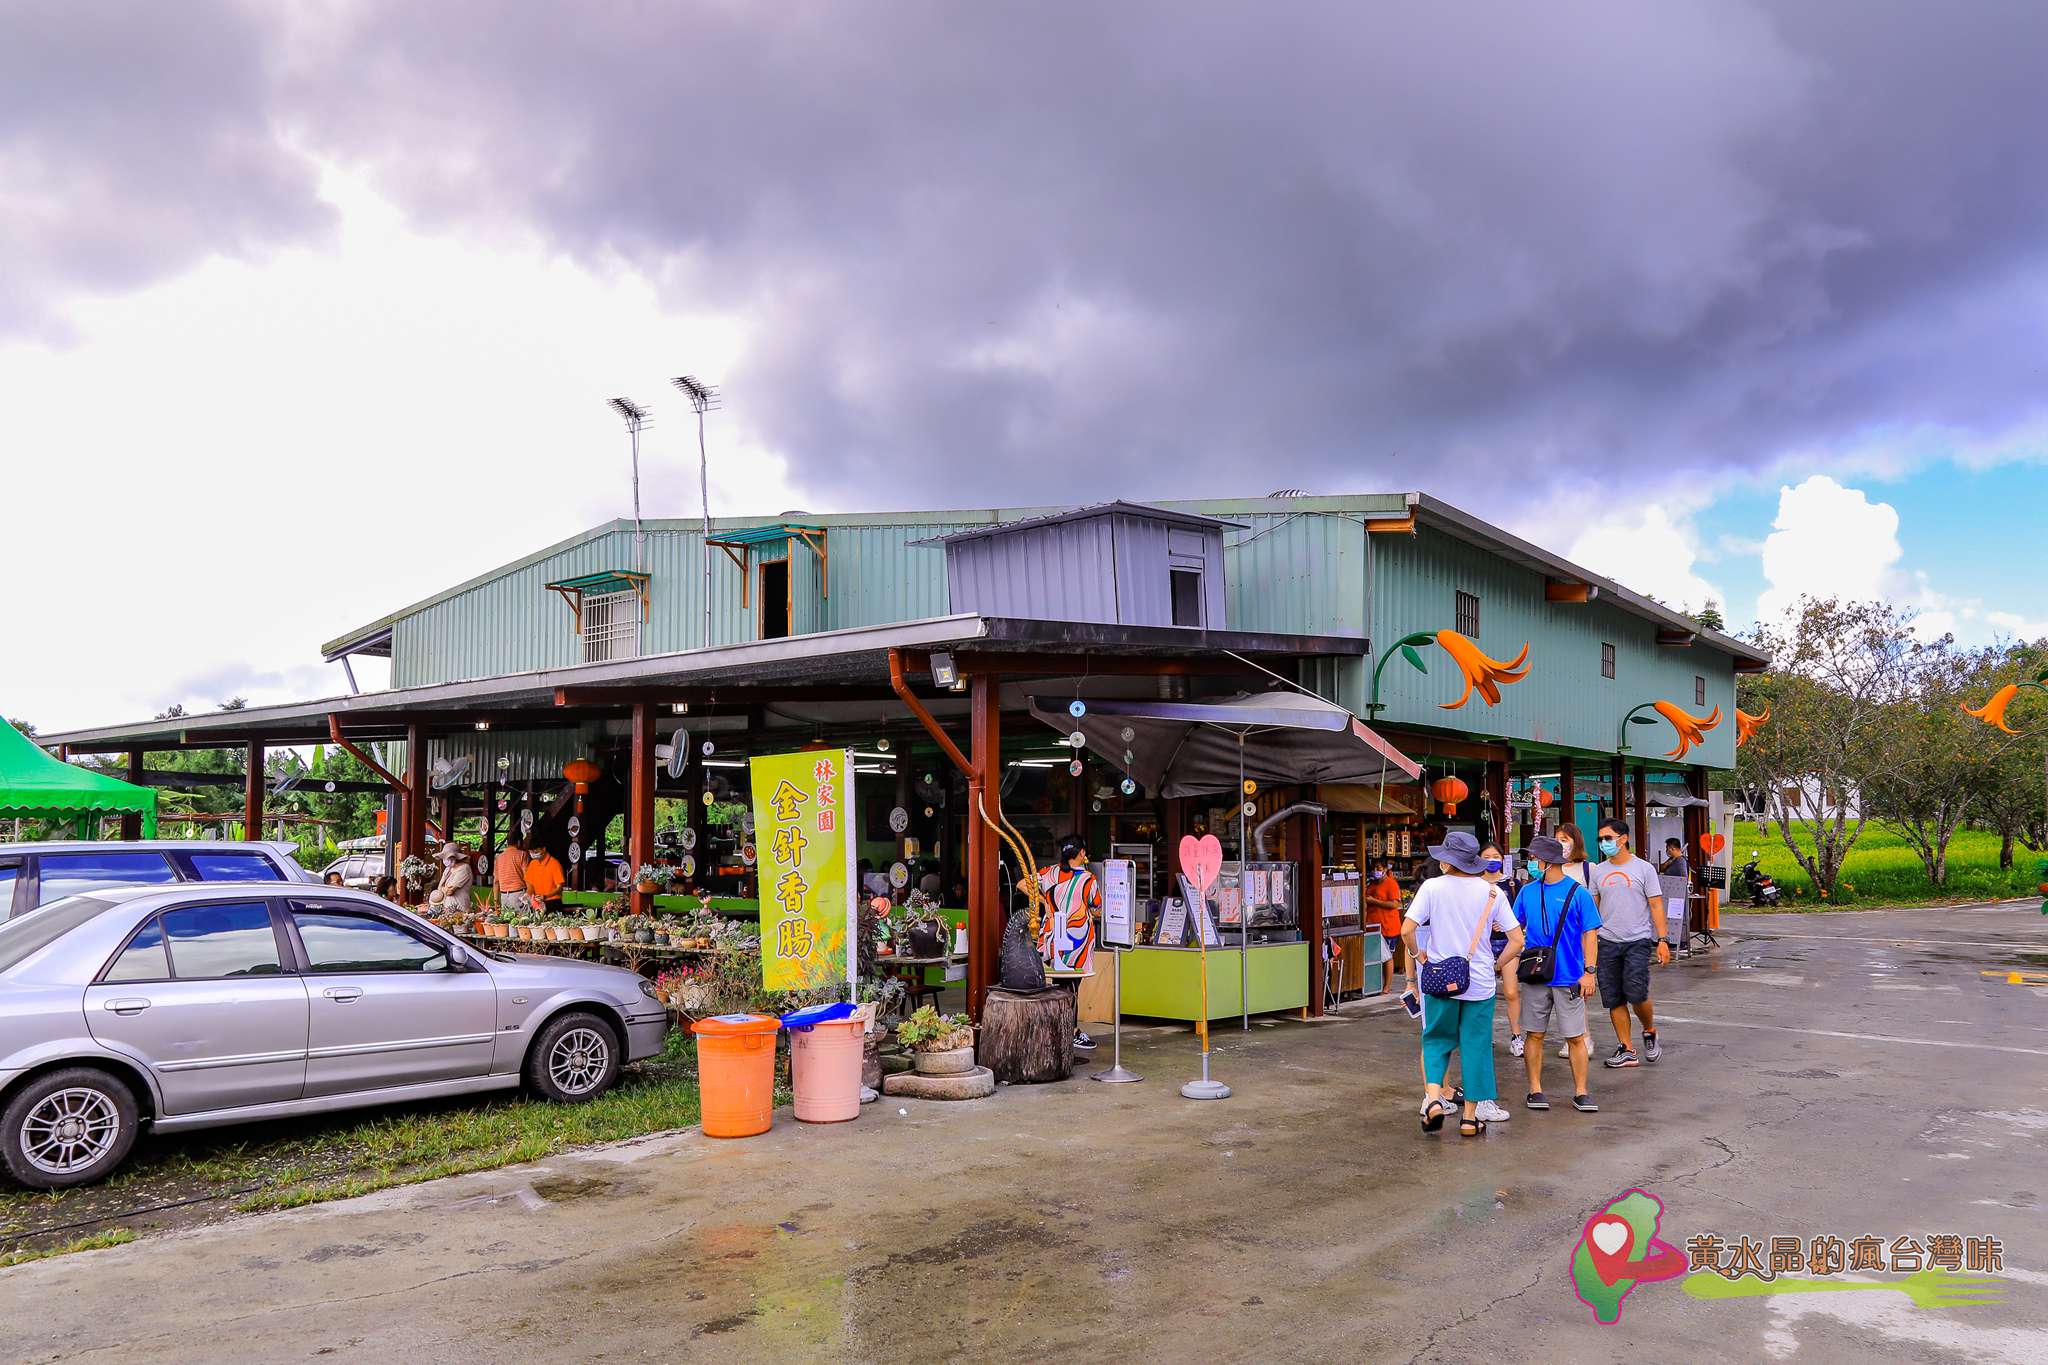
point(1699, 690)
point(611, 626)
point(1606, 660)
point(1468, 616)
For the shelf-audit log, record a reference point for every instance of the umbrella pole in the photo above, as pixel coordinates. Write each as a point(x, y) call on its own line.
point(1204, 1089)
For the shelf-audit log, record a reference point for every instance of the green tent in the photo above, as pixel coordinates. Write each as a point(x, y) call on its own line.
point(35, 783)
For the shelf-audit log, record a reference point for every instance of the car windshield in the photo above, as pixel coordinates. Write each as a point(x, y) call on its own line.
point(32, 933)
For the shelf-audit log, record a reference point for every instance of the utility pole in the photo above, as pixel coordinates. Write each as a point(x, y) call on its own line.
point(703, 397)
point(636, 418)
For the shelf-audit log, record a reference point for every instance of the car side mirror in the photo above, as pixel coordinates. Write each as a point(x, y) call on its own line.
point(458, 957)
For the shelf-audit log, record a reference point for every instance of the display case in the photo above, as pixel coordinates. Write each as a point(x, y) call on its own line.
point(1258, 898)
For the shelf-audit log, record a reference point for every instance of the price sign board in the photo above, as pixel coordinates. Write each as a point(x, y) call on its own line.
point(1119, 880)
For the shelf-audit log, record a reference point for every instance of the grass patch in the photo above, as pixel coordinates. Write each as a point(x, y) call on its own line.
point(97, 1241)
point(180, 1180)
point(1882, 869)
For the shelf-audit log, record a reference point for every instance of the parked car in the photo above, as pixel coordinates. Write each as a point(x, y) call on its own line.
point(356, 869)
point(193, 1006)
point(36, 874)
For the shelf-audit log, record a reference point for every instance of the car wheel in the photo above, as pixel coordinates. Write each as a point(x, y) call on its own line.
point(575, 1058)
point(70, 1127)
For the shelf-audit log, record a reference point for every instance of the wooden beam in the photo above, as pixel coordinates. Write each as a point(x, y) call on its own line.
point(1568, 792)
point(1385, 526)
point(824, 560)
point(1676, 639)
point(1641, 801)
point(413, 815)
point(1564, 590)
point(131, 823)
point(640, 800)
point(620, 698)
point(1308, 861)
point(1062, 665)
point(984, 895)
point(252, 792)
point(1415, 744)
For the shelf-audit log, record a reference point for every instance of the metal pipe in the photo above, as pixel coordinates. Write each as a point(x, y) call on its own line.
point(901, 686)
point(1298, 808)
point(396, 783)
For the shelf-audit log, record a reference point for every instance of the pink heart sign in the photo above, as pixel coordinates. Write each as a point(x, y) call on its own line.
point(1201, 860)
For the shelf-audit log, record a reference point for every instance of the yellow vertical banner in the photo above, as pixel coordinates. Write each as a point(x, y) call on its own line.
point(803, 818)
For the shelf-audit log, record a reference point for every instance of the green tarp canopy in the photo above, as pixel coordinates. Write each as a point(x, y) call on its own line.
point(35, 783)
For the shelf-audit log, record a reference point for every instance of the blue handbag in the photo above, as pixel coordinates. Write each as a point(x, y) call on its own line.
point(1447, 977)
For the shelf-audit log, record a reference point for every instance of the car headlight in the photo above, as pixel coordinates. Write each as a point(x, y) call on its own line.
point(647, 989)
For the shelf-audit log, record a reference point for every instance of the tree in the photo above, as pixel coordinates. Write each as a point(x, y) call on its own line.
point(2012, 788)
point(1709, 616)
point(1837, 669)
point(1934, 756)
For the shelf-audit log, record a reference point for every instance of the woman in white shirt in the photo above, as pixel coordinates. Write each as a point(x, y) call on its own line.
point(1451, 917)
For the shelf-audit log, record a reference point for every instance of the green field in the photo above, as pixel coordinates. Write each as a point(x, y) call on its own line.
point(1882, 869)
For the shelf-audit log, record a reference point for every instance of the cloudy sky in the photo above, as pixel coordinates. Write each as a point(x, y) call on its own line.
point(308, 310)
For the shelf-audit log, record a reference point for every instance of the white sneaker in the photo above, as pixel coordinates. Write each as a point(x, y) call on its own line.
point(1565, 1051)
point(1515, 1044)
point(1491, 1112)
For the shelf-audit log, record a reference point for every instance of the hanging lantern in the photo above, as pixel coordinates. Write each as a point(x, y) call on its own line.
point(1449, 791)
point(1543, 798)
point(581, 773)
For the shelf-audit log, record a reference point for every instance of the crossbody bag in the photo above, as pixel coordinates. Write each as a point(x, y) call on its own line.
point(1539, 961)
point(1447, 977)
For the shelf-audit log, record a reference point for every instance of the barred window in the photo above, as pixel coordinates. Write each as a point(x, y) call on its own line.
point(1606, 660)
point(1468, 616)
point(611, 626)
point(1699, 690)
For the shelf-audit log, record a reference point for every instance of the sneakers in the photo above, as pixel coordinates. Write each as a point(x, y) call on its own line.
point(1584, 1104)
point(1515, 1044)
point(1651, 1051)
point(1536, 1100)
point(1491, 1112)
point(1083, 1043)
point(1623, 1055)
point(1564, 1049)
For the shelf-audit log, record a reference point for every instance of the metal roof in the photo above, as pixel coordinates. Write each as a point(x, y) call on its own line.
point(1117, 508)
point(764, 535)
point(853, 657)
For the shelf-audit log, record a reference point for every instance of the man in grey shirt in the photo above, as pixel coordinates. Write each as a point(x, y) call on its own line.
point(1631, 902)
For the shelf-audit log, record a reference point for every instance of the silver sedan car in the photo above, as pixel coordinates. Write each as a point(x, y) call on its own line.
point(196, 1005)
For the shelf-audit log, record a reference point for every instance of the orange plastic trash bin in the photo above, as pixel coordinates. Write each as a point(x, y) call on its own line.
point(824, 1070)
point(736, 1073)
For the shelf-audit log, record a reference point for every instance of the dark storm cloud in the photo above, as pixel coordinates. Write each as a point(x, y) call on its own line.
point(1053, 250)
point(135, 140)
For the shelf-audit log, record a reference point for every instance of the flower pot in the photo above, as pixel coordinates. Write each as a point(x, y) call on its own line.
point(643, 936)
point(647, 888)
point(954, 1061)
point(522, 931)
point(589, 932)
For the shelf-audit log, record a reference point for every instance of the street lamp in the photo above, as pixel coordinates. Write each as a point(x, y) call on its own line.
point(703, 397)
point(636, 418)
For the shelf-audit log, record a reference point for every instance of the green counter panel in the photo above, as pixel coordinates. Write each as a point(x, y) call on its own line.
point(1166, 983)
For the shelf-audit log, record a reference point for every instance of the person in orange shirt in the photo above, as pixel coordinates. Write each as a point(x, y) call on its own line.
point(544, 878)
point(508, 875)
point(1383, 905)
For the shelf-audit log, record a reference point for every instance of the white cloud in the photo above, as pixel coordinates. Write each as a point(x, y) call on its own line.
point(1829, 541)
point(233, 466)
point(1654, 552)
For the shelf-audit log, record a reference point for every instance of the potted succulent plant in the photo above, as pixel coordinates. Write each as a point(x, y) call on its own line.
point(649, 878)
point(940, 1044)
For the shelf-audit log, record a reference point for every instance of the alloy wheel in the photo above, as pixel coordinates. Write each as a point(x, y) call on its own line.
point(70, 1131)
point(578, 1061)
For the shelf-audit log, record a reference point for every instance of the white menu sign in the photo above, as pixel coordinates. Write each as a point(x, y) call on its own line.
point(1118, 878)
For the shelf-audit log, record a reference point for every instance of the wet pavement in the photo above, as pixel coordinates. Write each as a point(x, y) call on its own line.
point(1868, 1072)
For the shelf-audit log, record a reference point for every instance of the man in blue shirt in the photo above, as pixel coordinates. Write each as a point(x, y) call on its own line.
point(1557, 912)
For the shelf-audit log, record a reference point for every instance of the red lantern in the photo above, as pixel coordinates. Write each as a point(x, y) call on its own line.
point(581, 772)
point(1544, 799)
point(1449, 791)
point(1712, 844)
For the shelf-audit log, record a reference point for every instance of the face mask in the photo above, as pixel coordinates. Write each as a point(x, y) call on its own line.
point(1535, 868)
point(1494, 866)
point(1609, 847)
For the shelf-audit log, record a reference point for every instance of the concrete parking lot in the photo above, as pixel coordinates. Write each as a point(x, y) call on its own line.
point(1875, 1072)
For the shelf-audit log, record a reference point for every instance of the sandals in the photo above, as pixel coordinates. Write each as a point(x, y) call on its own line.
point(1433, 1115)
point(1471, 1127)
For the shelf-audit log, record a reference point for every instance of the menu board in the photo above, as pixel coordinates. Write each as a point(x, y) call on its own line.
point(1119, 876)
point(1173, 920)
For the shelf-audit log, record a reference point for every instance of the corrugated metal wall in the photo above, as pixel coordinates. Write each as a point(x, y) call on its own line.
point(1564, 701)
point(1300, 573)
point(1062, 572)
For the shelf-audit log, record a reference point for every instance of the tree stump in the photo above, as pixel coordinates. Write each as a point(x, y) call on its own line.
point(1027, 1038)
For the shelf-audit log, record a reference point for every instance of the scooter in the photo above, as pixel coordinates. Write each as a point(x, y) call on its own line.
point(1763, 891)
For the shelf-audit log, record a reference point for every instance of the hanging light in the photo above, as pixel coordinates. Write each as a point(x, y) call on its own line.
point(483, 725)
point(1449, 791)
point(581, 772)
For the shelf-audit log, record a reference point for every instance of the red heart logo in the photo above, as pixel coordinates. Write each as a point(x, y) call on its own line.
point(1607, 1241)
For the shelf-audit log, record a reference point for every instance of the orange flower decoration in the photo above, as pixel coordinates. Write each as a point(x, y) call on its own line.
point(1488, 675)
point(1691, 729)
point(1747, 725)
point(1993, 712)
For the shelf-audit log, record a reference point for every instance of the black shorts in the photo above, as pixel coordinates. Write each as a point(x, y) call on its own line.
point(1624, 972)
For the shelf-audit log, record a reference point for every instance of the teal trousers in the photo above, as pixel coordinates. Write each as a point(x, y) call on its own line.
point(1466, 1027)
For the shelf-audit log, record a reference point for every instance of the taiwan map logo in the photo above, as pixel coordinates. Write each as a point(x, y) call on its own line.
point(1618, 1250)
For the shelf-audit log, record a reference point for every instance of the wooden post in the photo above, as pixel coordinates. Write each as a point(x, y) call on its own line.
point(1695, 856)
point(1308, 862)
point(984, 895)
point(1497, 801)
point(131, 823)
point(640, 801)
point(413, 810)
point(252, 793)
point(1641, 800)
point(1617, 785)
point(1567, 792)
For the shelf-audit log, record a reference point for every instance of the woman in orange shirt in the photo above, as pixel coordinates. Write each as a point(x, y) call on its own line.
point(1383, 904)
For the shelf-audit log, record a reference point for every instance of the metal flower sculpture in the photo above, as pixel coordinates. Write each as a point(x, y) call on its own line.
point(1993, 712)
point(1486, 675)
point(1691, 729)
point(1747, 725)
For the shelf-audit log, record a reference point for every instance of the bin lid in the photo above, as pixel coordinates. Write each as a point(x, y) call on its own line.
point(735, 1025)
point(817, 1014)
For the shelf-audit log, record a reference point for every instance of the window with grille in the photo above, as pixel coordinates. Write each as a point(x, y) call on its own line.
point(1699, 690)
point(1606, 660)
point(611, 626)
point(1468, 616)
